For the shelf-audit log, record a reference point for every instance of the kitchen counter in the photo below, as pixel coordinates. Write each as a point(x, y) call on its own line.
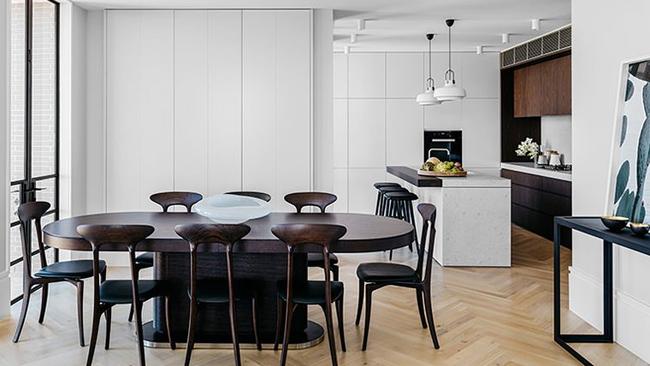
point(474, 178)
point(530, 168)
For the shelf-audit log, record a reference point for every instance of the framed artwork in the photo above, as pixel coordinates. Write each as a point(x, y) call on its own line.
point(629, 187)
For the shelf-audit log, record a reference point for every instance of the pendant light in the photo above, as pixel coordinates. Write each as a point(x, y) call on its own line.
point(427, 97)
point(450, 91)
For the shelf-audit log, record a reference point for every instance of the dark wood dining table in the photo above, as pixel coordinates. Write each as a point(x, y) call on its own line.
point(260, 256)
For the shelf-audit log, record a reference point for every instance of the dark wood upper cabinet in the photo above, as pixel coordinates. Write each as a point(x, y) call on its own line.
point(543, 89)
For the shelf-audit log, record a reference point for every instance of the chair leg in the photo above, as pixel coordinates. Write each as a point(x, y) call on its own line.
point(168, 324)
point(339, 315)
point(190, 332)
point(23, 310)
point(138, 327)
point(233, 331)
point(279, 321)
point(287, 332)
point(327, 308)
point(360, 306)
point(131, 314)
point(366, 325)
point(419, 294)
point(80, 311)
point(97, 315)
point(258, 343)
point(429, 311)
point(44, 291)
point(335, 271)
point(108, 316)
point(378, 202)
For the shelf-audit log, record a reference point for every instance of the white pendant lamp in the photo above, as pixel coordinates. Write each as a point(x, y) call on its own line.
point(450, 91)
point(427, 98)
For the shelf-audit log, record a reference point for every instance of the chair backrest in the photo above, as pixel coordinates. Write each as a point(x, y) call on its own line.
point(168, 199)
point(296, 235)
point(425, 257)
point(28, 212)
point(261, 195)
point(127, 236)
point(202, 234)
point(317, 199)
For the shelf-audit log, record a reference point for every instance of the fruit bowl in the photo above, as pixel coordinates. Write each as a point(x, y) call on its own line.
point(429, 173)
point(232, 209)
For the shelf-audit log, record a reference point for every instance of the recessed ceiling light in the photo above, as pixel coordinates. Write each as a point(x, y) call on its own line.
point(534, 24)
point(361, 24)
point(353, 38)
point(479, 50)
point(346, 50)
point(505, 38)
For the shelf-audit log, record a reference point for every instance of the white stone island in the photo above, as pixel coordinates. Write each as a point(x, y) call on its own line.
point(473, 220)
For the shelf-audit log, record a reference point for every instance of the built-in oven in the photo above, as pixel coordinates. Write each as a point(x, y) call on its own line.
point(444, 145)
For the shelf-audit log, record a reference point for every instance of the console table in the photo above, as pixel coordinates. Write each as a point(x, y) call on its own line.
point(594, 227)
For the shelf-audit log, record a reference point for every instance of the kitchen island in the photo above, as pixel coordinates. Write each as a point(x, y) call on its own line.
point(473, 222)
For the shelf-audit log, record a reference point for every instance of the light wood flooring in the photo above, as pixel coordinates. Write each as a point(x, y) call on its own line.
point(484, 316)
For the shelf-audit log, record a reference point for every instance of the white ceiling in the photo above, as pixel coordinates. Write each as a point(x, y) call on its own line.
point(400, 25)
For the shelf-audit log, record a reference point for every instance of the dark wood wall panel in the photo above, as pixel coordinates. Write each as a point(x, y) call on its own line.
point(514, 130)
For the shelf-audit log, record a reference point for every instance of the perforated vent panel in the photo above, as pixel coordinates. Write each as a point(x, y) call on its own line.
point(554, 42)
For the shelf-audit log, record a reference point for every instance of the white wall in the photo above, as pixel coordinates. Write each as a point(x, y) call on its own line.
point(378, 123)
point(5, 291)
point(599, 50)
point(556, 135)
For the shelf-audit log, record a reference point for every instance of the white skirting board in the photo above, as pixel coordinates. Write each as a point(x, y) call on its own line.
point(5, 288)
point(630, 315)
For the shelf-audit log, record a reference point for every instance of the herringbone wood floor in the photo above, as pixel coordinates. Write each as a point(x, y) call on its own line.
point(484, 316)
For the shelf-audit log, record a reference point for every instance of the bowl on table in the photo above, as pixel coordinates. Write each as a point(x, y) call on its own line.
point(232, 209)
point(614, 223)
point(639, 228)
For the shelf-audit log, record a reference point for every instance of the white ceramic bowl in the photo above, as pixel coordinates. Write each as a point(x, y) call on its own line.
point(232, 209)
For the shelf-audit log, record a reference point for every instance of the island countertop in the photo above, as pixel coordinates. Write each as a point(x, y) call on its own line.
point(474, 178)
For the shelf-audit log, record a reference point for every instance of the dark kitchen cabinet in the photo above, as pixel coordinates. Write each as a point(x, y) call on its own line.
point(543, 89)
point(536, 200)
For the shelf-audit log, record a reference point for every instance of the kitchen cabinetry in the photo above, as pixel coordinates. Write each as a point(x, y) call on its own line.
point(536, 200)
point(543, 89)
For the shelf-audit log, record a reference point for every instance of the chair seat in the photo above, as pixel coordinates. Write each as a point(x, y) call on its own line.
point(381, 272)
point(317, 259)
point(402, 196)
point(76, 269)
point(119, 291)
point(313, 292)
point(145, 259)
point(386, 184)
point(216, 290)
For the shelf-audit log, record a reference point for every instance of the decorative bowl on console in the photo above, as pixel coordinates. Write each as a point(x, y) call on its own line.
point(614, 223)
point(232, 209)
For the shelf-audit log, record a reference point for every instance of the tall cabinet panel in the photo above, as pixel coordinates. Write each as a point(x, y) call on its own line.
point(224, 74)
point(139, 100)
point(276, 102)
point(191, 100)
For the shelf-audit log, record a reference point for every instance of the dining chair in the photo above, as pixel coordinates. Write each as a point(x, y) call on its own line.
point(218, 291)
point(322, 293)
point(117, 292)
point(320, 200)
point(73, 272)
point(373, 276)
point(165, 200)
point(261, 195)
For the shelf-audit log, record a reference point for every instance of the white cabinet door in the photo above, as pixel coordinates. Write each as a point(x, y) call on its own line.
point(191, 100)
point(481, 133)
point(224, 164)
point(445, 116)
point(367, 75)
point(367, 133)
point(481, 74)
point(405, 75)
point(340, 133)
point(404, 132)
point(340, 190)
point(362, 193)
point(139, 102)
point(340, 75)
point(276, 102)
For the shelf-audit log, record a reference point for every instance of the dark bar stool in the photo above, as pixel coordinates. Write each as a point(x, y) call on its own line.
point(322, 293)
point(320, 200)
point(261, 195)
point(399, 204)
point(73, 272)
point(217, 291)
point(383, 206)
point(165, 200)
point(373, 276)
point(117, 292)
point(380, 195)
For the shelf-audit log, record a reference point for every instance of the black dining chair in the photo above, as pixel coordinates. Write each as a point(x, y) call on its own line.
point(165, 200)
point(117, 292)
point(321, 200)
point(261, 195)
point(322, 293)
point(73, 272)
point(373, 276)
point(218, 291)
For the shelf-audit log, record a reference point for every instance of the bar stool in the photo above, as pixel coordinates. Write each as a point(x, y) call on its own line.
point(384, 202)
point(399, 204)
point(379, 195)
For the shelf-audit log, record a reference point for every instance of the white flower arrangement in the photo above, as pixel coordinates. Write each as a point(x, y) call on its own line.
point(528, 147)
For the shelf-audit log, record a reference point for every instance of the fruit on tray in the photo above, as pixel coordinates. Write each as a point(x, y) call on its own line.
point(445, 167)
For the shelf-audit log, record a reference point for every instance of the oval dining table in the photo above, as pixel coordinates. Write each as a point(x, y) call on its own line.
point(259, 256)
